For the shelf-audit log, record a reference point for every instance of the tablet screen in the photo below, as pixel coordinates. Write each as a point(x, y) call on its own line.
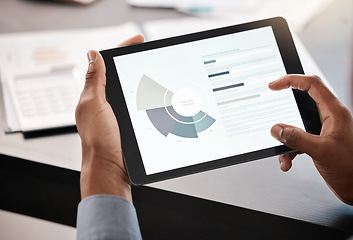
point(205, 100)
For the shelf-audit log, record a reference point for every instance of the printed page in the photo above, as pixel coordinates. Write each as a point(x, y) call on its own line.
point(43, 72)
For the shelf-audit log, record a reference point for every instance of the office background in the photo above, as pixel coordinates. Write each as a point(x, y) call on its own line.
point(299, 198)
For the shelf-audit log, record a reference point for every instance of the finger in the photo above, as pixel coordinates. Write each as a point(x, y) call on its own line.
point(95, 76)
point(285, 160)
point(134, 40)
point(315, 87)
point(296, 138)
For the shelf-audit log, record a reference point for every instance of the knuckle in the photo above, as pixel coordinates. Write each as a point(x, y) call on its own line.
point(91, 72)
point(315, 79)
point(344, 112)
point(82, 106)
point(79, 109)
point(85, 103)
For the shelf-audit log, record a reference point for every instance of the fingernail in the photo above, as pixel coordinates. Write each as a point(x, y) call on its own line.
point(271, 83)
point(276, 132)
point(91, 55)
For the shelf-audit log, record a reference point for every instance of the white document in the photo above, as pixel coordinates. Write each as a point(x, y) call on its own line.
point(42, 73)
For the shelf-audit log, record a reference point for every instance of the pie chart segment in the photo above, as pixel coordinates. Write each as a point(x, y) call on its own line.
point(198, 116)
point(179, 117)
point(203, 124)
point(184, 130)
point(151, 94)
point(185, 119)
point(161, 120)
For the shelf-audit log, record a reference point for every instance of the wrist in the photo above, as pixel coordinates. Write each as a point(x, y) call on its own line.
point(101, 174)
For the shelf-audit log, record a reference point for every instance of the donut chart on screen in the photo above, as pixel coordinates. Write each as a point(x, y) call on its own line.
point(176, 112)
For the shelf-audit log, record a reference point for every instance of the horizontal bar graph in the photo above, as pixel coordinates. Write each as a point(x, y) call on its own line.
point(228, 87)
point(210, 61)
point(218, 74)
point(238, 99)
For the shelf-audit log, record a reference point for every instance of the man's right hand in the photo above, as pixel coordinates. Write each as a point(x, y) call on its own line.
point(332, 150)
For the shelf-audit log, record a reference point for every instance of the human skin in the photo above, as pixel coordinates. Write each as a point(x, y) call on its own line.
point(332, 150)
point(103, 170)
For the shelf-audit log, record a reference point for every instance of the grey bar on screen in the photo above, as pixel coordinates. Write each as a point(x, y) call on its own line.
point(239, 99)
point(228, 87)
point(218, 74)
point(210, 61)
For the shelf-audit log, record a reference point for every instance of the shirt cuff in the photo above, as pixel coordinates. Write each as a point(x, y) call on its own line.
point(107, 217)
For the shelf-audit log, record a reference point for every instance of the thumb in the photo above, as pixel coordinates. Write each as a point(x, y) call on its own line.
point(95, 76)
point(296, 138)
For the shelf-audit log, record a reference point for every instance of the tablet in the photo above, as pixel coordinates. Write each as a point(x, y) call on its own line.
point(201, 101)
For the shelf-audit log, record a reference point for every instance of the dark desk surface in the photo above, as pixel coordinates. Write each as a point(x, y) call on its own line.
point(53, 193)
point(291, 198)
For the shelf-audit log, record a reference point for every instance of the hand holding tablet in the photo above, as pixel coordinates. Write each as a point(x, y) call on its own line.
point(332, 151)
point(103, 170)
point(201, 101)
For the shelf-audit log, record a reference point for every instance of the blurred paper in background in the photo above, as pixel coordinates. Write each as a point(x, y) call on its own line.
point(193, 3)
point(42, 73)
point(297, 12)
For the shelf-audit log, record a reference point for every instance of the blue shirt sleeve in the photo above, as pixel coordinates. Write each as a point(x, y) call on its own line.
point(107, 217)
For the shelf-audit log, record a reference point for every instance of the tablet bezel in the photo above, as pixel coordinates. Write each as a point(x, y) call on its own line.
point(115, 96)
